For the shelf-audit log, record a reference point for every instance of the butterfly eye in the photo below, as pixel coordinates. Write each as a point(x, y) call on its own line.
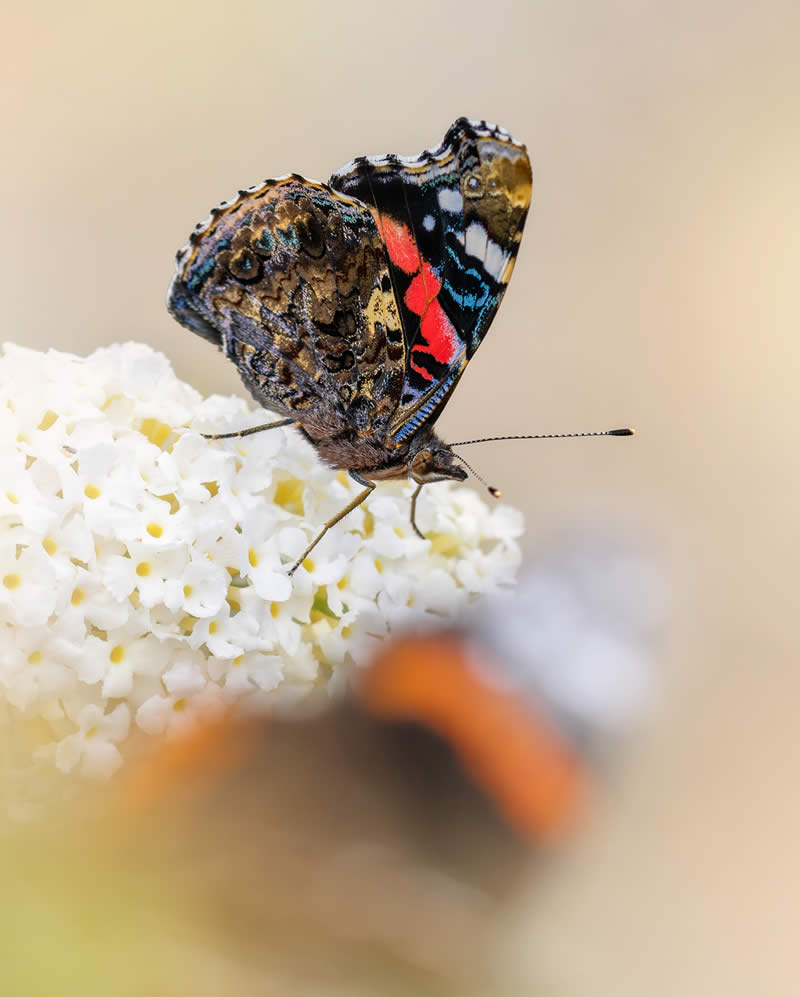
point(472, 185)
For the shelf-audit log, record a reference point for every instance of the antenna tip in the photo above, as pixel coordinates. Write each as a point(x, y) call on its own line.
point(494, 492)
point(621, 432)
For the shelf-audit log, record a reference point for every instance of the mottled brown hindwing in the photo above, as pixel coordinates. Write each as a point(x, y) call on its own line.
point(291, 280)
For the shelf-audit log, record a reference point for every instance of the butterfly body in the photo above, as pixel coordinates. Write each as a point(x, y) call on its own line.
point(352, 308)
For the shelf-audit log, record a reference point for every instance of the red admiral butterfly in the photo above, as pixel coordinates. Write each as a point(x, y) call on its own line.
point(352, 308)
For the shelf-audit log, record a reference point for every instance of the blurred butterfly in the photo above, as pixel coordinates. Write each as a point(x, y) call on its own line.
point(351, 309)
point(525, 701)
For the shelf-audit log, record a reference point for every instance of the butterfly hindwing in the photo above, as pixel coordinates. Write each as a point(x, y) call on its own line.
point(291, 280)
point(451, 219)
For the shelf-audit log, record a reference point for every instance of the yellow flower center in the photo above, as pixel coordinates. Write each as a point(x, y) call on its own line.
point(289, 495)
point(155, 431)
point(47, 419)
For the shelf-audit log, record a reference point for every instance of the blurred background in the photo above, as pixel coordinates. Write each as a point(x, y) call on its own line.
point(656, 286)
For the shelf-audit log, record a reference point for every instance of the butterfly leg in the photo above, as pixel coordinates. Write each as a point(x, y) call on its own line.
point(248, 432)
point(414, 497)
point(368, 487)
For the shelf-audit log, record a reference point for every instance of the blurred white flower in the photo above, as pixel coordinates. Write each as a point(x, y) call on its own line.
point(94, 744)
point(143, 569)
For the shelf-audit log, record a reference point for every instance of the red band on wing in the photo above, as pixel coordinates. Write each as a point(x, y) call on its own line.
point(440, 338)
point(422, 290)
point(443, 344)
point(403, 250)
point(441, 341)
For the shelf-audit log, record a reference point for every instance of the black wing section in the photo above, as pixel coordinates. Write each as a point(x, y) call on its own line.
point(451, 219)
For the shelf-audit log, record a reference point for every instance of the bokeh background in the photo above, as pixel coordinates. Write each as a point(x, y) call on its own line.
point(656, 286)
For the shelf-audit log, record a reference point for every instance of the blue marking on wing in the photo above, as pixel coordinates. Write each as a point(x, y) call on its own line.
point(198, 273)
point(422, 414)
point(467, 299)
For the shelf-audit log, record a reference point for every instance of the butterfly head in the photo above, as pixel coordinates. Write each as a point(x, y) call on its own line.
point(434, 461)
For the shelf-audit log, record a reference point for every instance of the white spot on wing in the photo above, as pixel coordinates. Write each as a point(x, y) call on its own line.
point(478, 244)
point(496, 260)
point(429, 223)
point(451, 200)
point(476, 240)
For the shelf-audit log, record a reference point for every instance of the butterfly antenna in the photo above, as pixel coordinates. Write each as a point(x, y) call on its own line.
point(495, 492)
point(540, 436)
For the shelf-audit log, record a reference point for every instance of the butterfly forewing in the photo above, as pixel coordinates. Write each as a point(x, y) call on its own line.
point(451, 219)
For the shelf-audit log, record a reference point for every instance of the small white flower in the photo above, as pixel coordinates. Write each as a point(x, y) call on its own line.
point(143, 568)
point(248, 672)
point(94, 744)
point(174, 713)
point(31, 584)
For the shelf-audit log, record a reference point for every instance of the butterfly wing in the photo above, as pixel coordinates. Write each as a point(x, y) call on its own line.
point(291, 280)
point(451, 220)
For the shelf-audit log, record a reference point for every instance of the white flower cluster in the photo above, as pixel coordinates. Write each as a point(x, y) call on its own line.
point(143, 569)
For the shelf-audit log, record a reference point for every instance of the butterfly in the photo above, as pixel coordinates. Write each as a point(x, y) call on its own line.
point(351, 309)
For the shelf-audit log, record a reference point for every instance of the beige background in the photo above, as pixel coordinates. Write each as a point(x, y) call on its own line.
point(656, 285)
